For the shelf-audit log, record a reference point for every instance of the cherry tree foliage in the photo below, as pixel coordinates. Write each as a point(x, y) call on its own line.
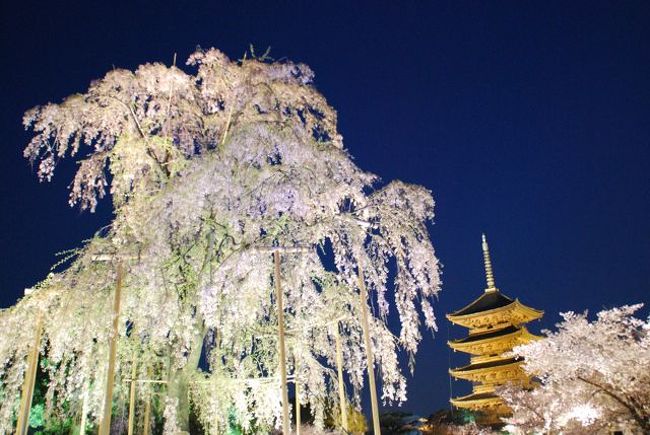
point(592, 374)
point(467, 429)
point(209, 172)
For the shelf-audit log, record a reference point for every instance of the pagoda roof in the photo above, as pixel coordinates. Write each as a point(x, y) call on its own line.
point(486, 336)
point(489, 300)
point(479, 401)
point(493, 341)
point(486, 365)
point(476, 396)
point(493, 307)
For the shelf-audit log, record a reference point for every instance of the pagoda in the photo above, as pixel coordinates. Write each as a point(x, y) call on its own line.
point(496, 325)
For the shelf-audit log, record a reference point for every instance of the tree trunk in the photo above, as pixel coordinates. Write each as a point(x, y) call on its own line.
point(178, 388)
point(178, 383)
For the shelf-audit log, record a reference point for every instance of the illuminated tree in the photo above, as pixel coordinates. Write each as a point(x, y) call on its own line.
point(209, 172)
point(592, 374)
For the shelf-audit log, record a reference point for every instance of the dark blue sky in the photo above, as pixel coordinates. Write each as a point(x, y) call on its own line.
point(528, 120)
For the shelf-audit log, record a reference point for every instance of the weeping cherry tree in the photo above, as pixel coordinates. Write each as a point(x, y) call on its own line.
point(209, 172)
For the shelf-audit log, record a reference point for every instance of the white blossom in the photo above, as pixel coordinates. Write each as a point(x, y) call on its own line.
point(592, 373)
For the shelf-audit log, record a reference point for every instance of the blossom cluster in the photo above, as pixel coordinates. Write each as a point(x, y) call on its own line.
point(593, 375)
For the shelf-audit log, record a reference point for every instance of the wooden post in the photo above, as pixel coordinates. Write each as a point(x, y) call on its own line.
point(282, 351)
point(297, 404)
point(343, 403)
point(84, 409)
point(147, 406)
point(22, 425)
point(369, 357)
point(105, 427)
point(132, 396)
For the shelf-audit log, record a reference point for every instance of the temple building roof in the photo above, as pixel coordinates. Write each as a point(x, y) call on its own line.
point(493, 341)
point(485, 365)
point(497, 371)
point(492, 310)
point(474, 396)
point(478, 401)
point(491, 405)
point(487, 301)
point(489, 335)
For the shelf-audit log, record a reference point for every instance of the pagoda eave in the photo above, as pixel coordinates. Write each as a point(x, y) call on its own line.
point(494, 343)
point(497, 372)
point(478, 401)
point(516, 311)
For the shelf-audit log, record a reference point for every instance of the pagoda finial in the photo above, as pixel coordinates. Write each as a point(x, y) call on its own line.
point(489, 276)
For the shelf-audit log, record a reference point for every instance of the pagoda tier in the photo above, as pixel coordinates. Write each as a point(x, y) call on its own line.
point(495, 323)
point(492, 310)
point(498, 371)
point(489, 404)
point(478, 401)
point(493, 342)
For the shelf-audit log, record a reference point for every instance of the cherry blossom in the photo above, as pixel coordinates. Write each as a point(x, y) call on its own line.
point(592, 374)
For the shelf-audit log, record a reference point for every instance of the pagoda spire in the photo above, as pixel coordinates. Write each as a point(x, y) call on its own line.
point(489, 275)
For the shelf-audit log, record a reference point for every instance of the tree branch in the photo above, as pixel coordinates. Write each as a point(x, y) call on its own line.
point(643, 422)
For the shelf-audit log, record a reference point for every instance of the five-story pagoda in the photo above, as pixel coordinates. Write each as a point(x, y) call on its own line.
point(495, 324)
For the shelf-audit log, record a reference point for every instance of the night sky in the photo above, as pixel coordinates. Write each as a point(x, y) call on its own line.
point(529, 121)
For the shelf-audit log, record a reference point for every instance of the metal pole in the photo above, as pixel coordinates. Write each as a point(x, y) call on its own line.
point(339, 368)
point(22, 425)
point(369, 357)
point(283, 360)
point(105, 426)
point(132, 396)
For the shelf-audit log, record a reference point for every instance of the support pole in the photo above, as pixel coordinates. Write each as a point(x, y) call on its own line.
point(283, 358)
point(343, 403)
point(105, 426)
point(84, 410)
point(147, 407)
point(369, 357)
point(297, 405)
point(132, 396)
point(22, 425)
